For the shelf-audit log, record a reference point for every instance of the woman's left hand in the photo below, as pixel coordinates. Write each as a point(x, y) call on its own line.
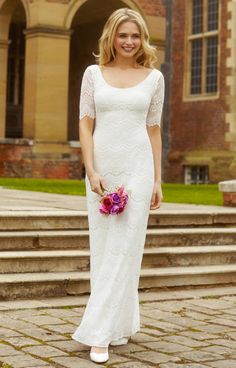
point(156, 196)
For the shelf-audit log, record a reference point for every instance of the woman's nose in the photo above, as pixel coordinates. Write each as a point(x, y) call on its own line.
point(129, 40)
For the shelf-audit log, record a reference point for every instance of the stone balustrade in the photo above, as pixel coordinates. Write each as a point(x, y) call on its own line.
point(228, 188)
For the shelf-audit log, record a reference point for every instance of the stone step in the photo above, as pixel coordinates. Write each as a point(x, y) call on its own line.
point(78, 239)
point(39, 220)
point(44, 239)
point(189, 256)
point(74, 220)
point(44, 261)
point(33, 285)
point(188, 276)
point(190, 237)
point(78, 260)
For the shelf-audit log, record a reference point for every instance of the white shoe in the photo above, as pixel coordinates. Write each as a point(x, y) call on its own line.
point(99, 357)
point(122, 341)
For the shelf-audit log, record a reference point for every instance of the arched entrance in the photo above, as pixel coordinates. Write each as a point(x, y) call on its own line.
point(15, 74)
point(12, 56)
point(87, 25)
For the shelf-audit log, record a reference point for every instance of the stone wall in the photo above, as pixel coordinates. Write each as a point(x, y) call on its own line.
point(23, 158)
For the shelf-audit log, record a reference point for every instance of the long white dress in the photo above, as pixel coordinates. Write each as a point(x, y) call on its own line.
point(122, 155)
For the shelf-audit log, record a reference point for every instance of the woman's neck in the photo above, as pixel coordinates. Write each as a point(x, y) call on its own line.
point(124, 63)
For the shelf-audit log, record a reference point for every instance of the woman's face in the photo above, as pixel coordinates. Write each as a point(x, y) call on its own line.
point(127, 40)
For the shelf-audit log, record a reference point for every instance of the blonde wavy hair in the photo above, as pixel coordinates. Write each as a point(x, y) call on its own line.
point(147, 54)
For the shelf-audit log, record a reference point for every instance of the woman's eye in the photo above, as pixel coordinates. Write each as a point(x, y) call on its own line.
point(123, 36)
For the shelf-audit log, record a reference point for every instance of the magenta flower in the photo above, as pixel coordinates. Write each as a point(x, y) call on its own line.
point(114, 203)
point(115, 209)
point(121, 209)
point(115, 198)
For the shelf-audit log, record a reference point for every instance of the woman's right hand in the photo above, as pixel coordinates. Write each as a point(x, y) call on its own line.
point(97, 183)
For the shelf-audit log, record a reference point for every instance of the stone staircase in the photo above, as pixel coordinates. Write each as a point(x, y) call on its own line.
point(47, 254)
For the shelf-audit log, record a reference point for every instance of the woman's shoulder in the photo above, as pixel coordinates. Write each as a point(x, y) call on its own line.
point(91, 67)
point(159, 76)
point(155, 71)
point(89, 72)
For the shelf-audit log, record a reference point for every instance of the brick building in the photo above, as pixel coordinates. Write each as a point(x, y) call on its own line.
point(200, 123)
point(45, 46)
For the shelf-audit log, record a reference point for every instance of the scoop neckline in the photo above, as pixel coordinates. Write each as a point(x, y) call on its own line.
point(136, 85)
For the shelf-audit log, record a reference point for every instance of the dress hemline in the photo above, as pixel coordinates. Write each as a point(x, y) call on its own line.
point(85, 342)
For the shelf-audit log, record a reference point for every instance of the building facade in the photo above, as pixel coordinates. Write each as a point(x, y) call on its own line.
point(200, 132)
point(45, 46)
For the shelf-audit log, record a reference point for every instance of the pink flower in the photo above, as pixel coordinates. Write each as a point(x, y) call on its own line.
point(120, 190)
point(114, 202)
point(107, 202)
point(103, 210)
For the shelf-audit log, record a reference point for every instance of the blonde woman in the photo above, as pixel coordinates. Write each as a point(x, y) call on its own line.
point(120, 112)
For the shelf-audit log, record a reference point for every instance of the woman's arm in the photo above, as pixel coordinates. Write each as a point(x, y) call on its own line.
point(86, 126)
point(154, 133)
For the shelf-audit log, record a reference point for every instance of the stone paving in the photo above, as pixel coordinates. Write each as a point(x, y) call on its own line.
point(179, 329)
point(12, 200)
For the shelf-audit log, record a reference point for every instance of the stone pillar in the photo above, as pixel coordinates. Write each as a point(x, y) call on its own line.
point(231, 81)
point(3, 85)
point(228, 188)
point(46, 84)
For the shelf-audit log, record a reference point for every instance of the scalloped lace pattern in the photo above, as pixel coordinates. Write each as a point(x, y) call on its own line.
point(87, 107)
point(122, 155)
point(155, 109)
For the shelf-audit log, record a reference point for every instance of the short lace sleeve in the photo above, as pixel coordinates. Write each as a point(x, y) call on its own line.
point(86, 105)
point(156, 105)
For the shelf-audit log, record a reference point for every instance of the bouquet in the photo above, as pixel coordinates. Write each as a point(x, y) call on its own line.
point(113, 203)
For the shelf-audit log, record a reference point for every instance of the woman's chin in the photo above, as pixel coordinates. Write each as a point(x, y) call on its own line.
point(127, 54)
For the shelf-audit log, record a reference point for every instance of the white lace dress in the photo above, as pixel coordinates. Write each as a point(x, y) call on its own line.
point(122, 155)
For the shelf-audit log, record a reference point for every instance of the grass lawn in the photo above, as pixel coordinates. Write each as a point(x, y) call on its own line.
point(178, 193)
point(73, 187)
point(195, 194)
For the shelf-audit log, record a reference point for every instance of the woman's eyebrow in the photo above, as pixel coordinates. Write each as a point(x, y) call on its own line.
point(124, 33)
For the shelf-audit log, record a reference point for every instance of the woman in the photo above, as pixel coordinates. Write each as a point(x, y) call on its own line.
point(120, 112)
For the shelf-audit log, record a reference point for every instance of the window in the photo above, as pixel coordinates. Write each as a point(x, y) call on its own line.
point(203, 46)
point(196, 174)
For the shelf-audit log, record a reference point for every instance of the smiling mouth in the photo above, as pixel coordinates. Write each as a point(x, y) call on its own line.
point(128, 48)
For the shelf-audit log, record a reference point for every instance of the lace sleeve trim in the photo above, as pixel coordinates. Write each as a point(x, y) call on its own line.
point(87, 106)
point(156, 105)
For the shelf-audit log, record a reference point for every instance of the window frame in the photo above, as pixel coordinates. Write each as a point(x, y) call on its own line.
point(187, 96)
point(188, 174)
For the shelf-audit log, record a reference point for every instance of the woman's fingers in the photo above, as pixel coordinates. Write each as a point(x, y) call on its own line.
point(97, 184)
point(153, 200)
point(159, 200)
point(156, 201)
point(100, 190)
point(97, 189)
point(103, 185)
